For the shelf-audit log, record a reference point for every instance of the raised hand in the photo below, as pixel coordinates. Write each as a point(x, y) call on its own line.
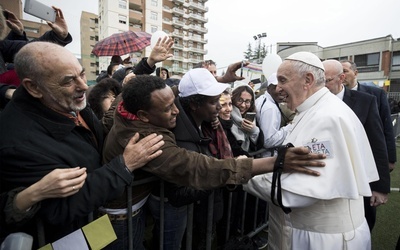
point(230, 74)
point(161, 51)
point(14, 23)
point(60, 26)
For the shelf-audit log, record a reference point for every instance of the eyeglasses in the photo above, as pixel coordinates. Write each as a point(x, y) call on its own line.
point(240, 101)
point(333, 78)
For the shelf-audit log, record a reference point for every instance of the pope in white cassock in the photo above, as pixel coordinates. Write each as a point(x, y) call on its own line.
point(327, 211)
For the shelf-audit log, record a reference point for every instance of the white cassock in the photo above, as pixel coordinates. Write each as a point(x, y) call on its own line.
point(327, 211)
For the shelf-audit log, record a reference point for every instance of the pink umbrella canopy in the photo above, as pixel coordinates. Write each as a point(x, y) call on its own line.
point(122, 43)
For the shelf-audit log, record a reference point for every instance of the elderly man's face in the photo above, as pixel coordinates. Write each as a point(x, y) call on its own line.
point(291, 85)
point(63, 87)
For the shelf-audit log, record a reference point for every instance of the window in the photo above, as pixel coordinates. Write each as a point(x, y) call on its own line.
point(154, 29)
point(367, 62)
point(153, 15)
point(339, 58)
point(122, 19)
point(396, 61)
point(32, 30)
point(122, 4)
point(176, 52)
point(154, 2)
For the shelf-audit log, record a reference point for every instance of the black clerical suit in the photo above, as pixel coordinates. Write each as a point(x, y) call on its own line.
point(365, 107)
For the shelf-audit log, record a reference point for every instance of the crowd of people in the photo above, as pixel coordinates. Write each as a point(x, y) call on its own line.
point(316, 147)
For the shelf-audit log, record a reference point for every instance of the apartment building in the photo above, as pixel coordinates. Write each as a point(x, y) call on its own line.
point(89, 37)
point(183, 20)
point(377, 59)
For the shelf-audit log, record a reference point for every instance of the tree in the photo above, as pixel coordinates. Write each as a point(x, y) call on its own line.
point(263, 52)
point(249, 53)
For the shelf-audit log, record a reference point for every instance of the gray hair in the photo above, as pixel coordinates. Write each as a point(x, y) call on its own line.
point(303, 68)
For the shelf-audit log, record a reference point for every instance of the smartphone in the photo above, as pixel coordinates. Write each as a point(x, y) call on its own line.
point(40, 10)
point(250, 116)
point(255, 81)
point(241, 69)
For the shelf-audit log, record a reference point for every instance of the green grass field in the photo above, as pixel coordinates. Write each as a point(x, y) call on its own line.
point(387, 227)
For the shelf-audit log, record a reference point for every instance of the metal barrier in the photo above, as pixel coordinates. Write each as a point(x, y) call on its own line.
point(396, 124)
point(189, 229)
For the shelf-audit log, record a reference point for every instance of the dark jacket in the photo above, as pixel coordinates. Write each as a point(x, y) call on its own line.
point(139, 69)
point(384, 113)
point(34, 140)
point(365, 107)
point(188, 136)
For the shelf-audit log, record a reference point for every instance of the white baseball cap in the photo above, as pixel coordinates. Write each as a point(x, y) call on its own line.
point(308, 58)
point(200, 81)
point(272, 79)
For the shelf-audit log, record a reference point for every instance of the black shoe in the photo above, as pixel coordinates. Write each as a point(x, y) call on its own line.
point(260, 241)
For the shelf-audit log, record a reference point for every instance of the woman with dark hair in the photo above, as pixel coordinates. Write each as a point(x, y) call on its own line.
point(244, 126)
point(102, 95)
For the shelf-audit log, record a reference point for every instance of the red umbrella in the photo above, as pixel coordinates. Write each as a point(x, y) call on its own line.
point(122, 43)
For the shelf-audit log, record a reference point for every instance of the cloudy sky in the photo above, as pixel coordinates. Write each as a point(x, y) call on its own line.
point(233, 23)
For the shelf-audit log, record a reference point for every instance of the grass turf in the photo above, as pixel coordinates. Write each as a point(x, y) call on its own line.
point(387, 227)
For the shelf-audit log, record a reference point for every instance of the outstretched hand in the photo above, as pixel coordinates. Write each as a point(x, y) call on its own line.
point(14, 23)
point(230, 74)
point(138, 153)
point(160, 52)
point(60, 26)
point(297, 159)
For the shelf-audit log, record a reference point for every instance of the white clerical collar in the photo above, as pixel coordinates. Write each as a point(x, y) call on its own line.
point(340, 95)
point(310, 101)
point(355, 87)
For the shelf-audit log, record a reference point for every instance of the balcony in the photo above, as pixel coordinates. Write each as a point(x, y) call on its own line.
point(178, 1)
point(197, 6)
point(175, 70)
point(197, 50)
point(192, 60)
point(167, 9)
point(178, 23)
point(177, 34)
point(178, 58)
point(197, 28)
point(196, 39)
point(178, 11)
point(198, 17)
point(167, 21)
point(135, 16)
point(135, 4)
point(177, 46)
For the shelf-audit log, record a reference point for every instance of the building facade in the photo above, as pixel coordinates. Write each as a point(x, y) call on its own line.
point(183, 20)
point(378, 59)
point(89, 37)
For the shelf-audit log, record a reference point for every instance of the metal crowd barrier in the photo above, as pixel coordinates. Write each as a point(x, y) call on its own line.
point(189, 228)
